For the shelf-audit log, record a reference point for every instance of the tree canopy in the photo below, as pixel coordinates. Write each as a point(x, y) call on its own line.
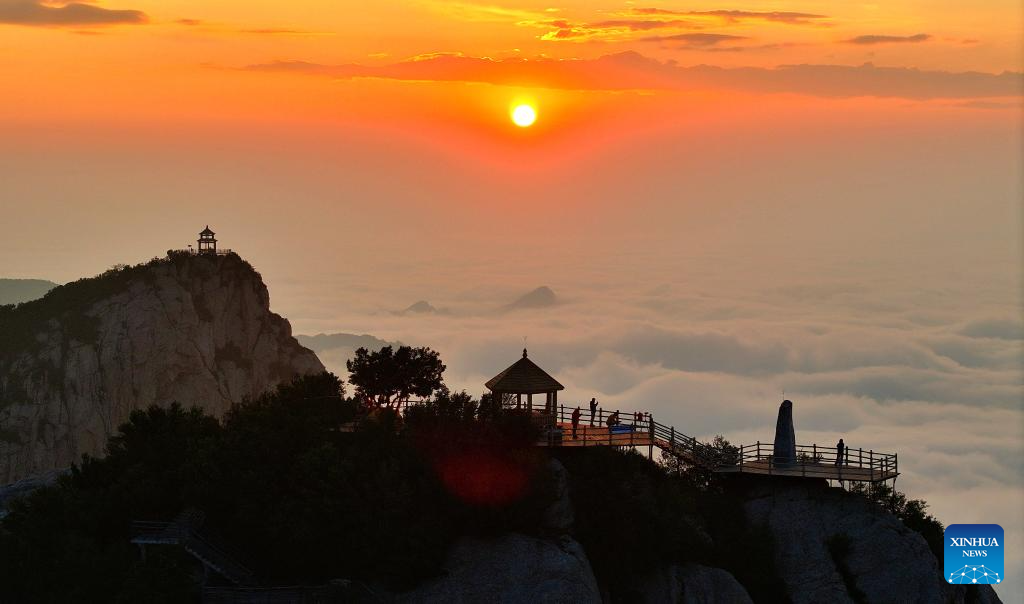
point(392, 375)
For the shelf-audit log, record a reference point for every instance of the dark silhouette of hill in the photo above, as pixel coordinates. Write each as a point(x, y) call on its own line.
point(323, 342)
point(16, 291)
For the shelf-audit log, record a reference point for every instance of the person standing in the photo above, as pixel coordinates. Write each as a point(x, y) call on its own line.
point(593, 409)
point(840, 450)
point(576, 421)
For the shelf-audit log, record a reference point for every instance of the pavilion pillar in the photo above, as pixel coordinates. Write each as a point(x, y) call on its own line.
point(554, 401)
point(529, 403)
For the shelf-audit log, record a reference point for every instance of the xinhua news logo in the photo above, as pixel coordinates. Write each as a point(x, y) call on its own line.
point(973, 553)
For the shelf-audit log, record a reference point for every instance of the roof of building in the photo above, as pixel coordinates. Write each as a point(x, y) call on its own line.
point(207, 231)
point(524, 377)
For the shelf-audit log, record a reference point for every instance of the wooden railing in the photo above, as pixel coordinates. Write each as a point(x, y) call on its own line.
point(819, 461)
point(594, 430)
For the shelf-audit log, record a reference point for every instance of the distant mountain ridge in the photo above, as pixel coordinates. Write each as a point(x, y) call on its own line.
point(194, 329)
point(335, 349)
point(16, 291)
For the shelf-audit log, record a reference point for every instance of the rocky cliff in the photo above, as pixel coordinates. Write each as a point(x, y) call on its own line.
point(74, 364)
point(880, 560)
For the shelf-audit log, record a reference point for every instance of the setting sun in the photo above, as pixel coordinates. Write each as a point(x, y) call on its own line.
point(524, 116)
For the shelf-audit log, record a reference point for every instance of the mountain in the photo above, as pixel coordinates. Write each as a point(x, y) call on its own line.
point(420, 307)
point(16, 291)
point(187, 328)
point(336, 348)
point(542, 297)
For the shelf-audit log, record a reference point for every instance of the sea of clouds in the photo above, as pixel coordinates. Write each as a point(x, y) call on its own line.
point(922, 361)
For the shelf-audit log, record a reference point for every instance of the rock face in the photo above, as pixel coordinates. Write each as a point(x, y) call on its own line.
point(692, 584)
point(512, 569)
point(193, 329)
point(559, 516)
point(785, 436)
point(882, 559)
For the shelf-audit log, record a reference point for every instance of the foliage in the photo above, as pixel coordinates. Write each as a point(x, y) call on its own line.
point(700, 477)
point(631, 516)
point(279, 480)
point(389, 375)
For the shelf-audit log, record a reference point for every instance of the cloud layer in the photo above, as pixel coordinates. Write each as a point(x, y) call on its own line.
point(872, 39)
point(633, 71)
point(59, 14)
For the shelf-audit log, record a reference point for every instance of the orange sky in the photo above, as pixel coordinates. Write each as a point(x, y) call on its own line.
point(175, 61)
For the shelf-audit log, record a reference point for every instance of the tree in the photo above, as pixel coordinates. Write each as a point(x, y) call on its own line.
point(389, 376)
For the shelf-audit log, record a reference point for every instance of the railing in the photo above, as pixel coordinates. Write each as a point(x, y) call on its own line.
point(627, 431)
point(631, 430)
point(210, 552)
point(219, 251)
point(818, 461)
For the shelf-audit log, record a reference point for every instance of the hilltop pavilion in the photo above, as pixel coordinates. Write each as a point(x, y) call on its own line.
point(525, 377)
point(207, 241)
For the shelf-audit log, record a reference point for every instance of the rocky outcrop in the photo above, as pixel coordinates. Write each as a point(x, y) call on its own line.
point(512, 569)
point(691, 584)
point(880, 560)
point(193, 329)
point(559, 515)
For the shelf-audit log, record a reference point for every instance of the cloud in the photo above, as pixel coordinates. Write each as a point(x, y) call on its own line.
point(736, 16)
point(76, 14)
point(633, 71)
point(1001, 328)
point(699, 40)
point(872, 39)
point(608, 30)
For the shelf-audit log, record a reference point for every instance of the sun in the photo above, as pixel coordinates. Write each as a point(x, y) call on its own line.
point(524, 116)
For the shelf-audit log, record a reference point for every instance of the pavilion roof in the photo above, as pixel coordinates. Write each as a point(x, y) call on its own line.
point(207, 231)
point(524, 377)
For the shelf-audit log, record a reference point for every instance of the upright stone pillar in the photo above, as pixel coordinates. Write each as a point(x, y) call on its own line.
point(784, 454)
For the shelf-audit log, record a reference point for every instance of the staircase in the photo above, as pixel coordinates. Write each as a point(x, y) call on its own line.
point(184, 531)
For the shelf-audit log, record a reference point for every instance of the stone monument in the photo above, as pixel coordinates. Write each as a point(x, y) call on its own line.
point(784, 454)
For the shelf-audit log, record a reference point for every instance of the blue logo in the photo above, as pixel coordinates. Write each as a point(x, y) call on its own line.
point(973, 553)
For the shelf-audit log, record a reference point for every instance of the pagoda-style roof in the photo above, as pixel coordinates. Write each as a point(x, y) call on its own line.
point(207, 231)
point(523, 377)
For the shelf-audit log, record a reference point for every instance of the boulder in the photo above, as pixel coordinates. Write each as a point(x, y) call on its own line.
point(691, 584)
point(558, 517)
point(511, 569)
point(882, 560)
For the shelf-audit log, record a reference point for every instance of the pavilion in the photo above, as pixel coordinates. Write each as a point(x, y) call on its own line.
point(525, 377)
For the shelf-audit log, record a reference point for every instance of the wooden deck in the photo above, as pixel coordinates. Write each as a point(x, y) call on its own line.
point(811, 470)
point(811, 461)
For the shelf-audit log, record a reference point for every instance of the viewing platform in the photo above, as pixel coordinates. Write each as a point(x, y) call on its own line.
point(811, 461)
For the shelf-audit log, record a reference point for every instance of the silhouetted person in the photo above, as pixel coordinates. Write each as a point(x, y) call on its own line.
point(840, 449)
point(593, 409)
point(575, 421)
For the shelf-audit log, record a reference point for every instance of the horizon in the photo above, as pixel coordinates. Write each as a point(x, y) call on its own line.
point(728, 201)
